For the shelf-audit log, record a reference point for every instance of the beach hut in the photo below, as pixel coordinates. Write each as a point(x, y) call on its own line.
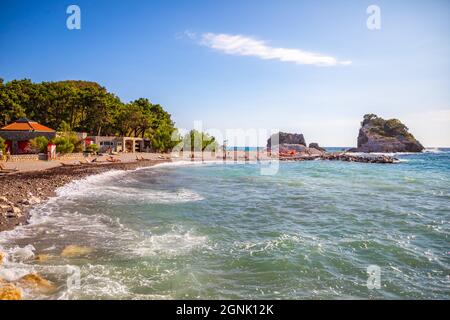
point(19, 133)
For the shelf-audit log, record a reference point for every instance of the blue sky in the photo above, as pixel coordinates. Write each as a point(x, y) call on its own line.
point(248, 64)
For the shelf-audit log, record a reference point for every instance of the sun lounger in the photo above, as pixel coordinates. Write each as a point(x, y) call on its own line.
point(3, 169)
point(69, 164)
point(111, 159)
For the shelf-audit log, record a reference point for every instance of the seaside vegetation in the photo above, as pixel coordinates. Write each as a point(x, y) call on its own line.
point(63, 145)
point(39, 144)
point(84, 106)
point(2, 145)
point(92, 148)
point(386, 128)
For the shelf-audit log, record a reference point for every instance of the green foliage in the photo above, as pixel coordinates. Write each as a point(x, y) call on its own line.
point(386, 128)
point(2, 145)
point(63, 145)
point(64, 127)
point(93, 148)
point(73, 139)
point(39, 144)
point(84, 106)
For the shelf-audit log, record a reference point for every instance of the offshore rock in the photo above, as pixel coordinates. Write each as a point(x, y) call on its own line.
point(286, 138)
point(379, 135)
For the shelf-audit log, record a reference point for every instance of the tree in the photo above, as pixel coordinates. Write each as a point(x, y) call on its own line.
point(84, 106)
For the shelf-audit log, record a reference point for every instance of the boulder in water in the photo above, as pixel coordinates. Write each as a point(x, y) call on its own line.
point(379, 135)
point(286, 138)
point(9, 291)
point(72, 251)
point(35, 281)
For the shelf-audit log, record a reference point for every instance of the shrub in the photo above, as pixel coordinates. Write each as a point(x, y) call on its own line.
point(2, 145)
point(63, 145)
point(73, 139)
point(92, 148)
point(39, 144)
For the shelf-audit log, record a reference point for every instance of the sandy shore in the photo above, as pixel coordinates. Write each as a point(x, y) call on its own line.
point(35, 184)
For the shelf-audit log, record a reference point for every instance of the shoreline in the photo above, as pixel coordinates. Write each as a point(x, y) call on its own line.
point(20, 191)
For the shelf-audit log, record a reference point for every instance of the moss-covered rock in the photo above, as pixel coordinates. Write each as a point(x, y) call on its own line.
point(380, 135)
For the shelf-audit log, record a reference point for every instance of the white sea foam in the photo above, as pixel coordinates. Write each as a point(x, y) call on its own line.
point(172, 243)
point(435, 150)
point(282, 242)
point(103, 185)
point(19, 254)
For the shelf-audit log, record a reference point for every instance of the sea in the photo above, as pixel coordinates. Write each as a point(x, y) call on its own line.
point(308, 230)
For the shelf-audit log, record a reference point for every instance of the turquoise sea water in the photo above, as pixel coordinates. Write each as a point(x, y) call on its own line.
point(226, 231)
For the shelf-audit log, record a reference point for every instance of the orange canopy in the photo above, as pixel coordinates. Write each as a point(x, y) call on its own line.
point(26, 125)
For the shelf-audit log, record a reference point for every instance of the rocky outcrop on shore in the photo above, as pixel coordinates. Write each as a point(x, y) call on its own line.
point(379, 135)
point(20, 191)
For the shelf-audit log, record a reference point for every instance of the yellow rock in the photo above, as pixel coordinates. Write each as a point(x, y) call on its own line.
point(35, 281)
point(75, 251)
point(10, 292)
point(2, 256)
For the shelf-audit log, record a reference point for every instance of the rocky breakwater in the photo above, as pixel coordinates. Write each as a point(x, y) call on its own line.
point(385, 136)
point(359, 158)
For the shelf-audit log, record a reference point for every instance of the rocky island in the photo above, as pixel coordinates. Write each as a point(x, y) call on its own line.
point(380, 135)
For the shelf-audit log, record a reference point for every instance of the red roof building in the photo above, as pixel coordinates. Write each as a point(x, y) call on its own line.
point(19, 133)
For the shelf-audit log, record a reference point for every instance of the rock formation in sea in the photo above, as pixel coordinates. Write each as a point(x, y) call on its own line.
point(293, 143)
point(314, 145)
point(380, 135)
point(286, 138)
point(284, 142)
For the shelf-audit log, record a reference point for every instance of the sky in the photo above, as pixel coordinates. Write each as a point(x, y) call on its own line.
point(311, 67)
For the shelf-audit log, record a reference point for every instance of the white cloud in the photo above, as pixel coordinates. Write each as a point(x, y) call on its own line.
point(245, 46)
